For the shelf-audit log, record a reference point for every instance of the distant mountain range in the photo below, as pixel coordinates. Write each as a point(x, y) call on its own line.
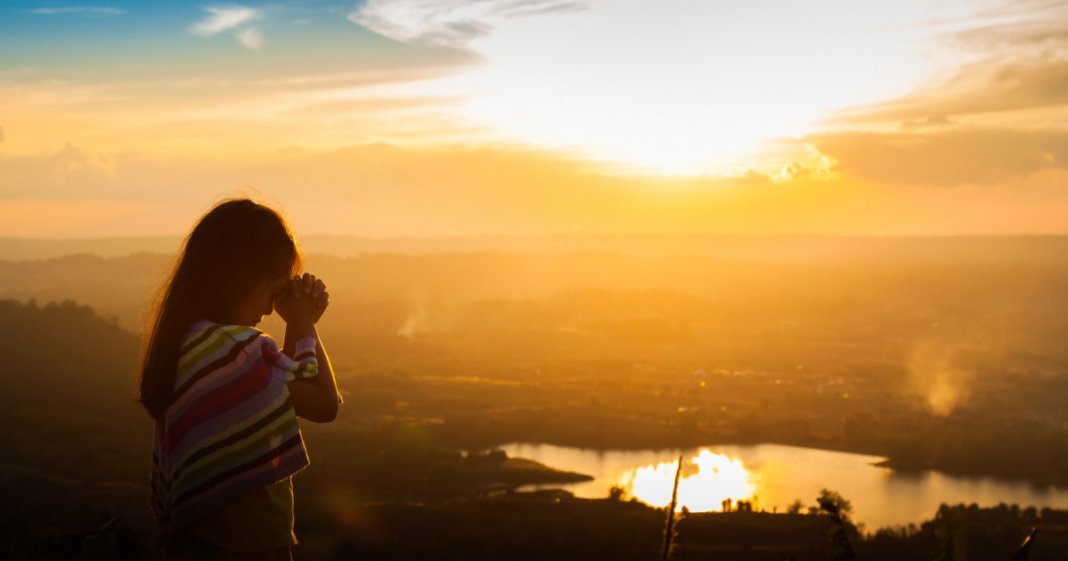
point(760, 248)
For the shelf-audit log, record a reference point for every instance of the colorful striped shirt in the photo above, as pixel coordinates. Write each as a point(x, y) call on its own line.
point(231, 427)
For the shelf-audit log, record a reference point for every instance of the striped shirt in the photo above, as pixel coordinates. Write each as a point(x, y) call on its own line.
point(231, 427)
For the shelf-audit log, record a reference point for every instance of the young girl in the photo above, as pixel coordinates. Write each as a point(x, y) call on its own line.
point(224, 398)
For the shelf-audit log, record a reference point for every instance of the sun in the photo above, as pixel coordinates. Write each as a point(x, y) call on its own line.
point(627, 83)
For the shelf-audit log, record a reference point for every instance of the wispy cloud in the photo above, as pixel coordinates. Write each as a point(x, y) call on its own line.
point(221, 18)
point(449, 23)
point(84, 10)
point(251, 38)
point(1015, 61)
point(954, 157)
point(231, 18)
point(988, 87)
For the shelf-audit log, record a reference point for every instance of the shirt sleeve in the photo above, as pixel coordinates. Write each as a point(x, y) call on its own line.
point(304, 365)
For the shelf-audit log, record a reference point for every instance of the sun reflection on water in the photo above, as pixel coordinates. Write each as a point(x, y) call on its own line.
point(707, 480)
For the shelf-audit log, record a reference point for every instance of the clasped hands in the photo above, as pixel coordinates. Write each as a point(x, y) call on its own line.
point(304, 301)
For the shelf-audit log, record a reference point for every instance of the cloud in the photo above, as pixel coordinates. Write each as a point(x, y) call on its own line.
point(251, 38)
point(449, 23)
point(379, 189)
point(84, 10)
point(384, 190)
point(72, 159)
point(931, 122)
point(1014, 61)
point(222, 18)
point(522, 8)
point(986, 87)
point(232, 18)
point(948, 157)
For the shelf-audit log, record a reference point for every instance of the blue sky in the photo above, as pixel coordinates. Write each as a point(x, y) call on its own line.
point(97, 39)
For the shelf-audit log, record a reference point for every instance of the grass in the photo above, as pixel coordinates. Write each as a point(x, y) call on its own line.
point(670, 531)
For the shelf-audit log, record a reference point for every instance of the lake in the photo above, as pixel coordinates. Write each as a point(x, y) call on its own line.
point(773, 476)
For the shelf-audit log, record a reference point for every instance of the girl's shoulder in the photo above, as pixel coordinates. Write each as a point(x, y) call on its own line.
point(216, 346)
point(205, 329)
point(211, 346)
point(207, 338)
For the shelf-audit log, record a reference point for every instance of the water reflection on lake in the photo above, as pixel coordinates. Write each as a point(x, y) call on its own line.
point(773, 476)
point(706, 481)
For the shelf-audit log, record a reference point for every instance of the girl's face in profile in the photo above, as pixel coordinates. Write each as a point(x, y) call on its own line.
point(260, 301)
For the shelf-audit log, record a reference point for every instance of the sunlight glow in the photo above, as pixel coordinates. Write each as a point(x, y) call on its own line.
point(637, 83)
point(707, 480)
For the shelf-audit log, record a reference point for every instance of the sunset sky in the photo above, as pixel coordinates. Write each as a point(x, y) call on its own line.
point(470, 117)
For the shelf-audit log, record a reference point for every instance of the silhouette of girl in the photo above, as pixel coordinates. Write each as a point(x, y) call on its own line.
point(224, 398)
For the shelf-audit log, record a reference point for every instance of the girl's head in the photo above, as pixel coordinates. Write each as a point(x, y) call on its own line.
point(233, 265)
point(235, 250)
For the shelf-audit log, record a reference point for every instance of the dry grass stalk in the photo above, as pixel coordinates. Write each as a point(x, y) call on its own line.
point(670, 531)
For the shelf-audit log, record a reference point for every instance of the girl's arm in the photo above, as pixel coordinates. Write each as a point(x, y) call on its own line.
point(315, 399)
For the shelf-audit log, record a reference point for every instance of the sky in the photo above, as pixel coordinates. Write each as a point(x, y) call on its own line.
point(537, 117)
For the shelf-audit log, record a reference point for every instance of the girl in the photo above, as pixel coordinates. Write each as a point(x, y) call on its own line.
point(224, 398)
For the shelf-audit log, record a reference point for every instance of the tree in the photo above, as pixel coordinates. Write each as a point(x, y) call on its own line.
point(795, 507)
point(833, 503)
point(838, 510)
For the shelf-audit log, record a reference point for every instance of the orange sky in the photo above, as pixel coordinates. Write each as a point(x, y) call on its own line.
point(419, 117)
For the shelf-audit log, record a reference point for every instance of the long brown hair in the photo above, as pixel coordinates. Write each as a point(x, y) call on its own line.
point(236, 245)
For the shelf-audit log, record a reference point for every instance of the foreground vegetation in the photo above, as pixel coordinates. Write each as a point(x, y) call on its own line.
point(553, 525)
